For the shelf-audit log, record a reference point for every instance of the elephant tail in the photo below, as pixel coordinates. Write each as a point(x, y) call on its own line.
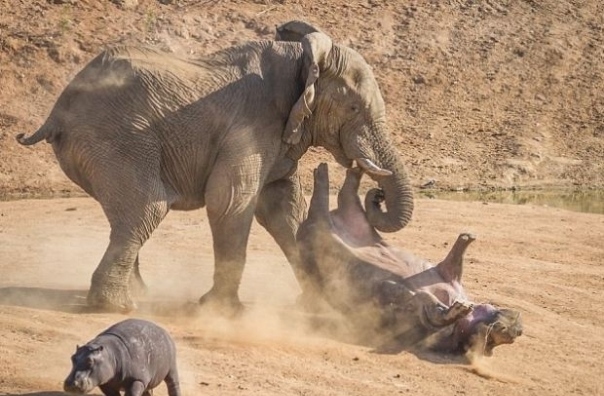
point(47, 131)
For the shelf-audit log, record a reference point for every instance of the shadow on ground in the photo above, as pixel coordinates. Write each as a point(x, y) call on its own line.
point(70, 301)
point(74, 301)
point(43, 393)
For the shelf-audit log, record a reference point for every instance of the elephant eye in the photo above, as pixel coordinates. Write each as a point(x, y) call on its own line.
point(355, 108)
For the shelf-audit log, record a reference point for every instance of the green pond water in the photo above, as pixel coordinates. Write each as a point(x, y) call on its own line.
point(589, 201)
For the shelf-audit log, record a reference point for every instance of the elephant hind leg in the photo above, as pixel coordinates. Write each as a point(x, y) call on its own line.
point(135, 202)
point(118, 270)
point(137, 285)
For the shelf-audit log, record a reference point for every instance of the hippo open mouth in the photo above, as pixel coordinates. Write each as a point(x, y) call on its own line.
point(487, 327)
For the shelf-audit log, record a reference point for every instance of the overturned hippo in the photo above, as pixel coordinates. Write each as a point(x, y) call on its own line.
point(370, 281)
point(134, 356)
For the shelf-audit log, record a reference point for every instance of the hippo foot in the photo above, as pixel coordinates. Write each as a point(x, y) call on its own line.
point(221, 304)
point(438, 315)
point(458, 310)
point(106, 299)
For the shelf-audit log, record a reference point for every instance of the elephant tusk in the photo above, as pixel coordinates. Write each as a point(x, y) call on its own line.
point(371, 168)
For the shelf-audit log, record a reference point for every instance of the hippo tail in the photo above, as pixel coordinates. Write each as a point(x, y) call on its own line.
point(48, 131)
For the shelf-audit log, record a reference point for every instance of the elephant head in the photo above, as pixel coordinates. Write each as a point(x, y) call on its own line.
point(342, 110)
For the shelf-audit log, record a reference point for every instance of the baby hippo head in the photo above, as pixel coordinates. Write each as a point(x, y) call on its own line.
point(90, 368)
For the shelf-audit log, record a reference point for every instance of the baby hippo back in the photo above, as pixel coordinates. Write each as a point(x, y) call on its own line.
point(148, 353)
point(133, 356)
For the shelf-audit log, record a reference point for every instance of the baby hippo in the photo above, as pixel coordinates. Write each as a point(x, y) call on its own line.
point(133, 355)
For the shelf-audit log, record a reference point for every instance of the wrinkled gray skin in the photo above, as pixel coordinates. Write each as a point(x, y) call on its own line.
point(362, 276)
point(144, 132)
point(133, 355)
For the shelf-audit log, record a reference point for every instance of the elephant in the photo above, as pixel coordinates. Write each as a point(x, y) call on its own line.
point(144, 132)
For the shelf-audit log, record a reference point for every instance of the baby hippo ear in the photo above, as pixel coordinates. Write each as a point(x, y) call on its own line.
point(98, 349)
point(316, 47)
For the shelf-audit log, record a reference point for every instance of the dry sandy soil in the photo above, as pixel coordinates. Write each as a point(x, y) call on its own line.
point(544, 262)
point(480, 94)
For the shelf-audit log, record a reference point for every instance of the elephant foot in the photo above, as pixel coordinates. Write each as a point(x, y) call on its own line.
point(226, 305)
point(110, 299)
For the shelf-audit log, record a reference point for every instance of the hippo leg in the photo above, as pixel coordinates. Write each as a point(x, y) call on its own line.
point(434, 314)
point(457, 310)
point(109, 390)
point(172, 382)
point(136, 389)
point(451, 268)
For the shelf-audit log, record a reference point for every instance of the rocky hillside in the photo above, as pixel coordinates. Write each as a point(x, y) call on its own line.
point(480, 94)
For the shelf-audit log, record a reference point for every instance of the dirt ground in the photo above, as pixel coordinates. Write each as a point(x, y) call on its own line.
point(544, 262)
point(480, 95)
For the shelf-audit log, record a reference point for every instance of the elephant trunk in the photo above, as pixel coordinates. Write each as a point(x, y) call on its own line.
point(394, 192)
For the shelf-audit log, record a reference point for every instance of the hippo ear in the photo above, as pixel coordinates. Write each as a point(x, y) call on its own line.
point(316, 48)
point(98, 349)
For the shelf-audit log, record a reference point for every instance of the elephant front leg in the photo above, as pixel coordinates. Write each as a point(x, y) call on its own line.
point(230, 234)
point(231, 199)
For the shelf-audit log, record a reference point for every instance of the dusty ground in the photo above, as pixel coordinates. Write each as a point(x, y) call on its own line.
point(545, 262)
point(479, 93)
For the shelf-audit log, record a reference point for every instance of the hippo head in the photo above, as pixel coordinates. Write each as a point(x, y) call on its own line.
point(429, 306)
point(485, 328)
point(90, 368)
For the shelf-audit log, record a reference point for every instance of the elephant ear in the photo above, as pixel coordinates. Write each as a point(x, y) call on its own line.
point(316, 47)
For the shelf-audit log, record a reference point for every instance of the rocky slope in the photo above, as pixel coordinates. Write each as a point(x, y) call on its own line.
point(480, 94)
